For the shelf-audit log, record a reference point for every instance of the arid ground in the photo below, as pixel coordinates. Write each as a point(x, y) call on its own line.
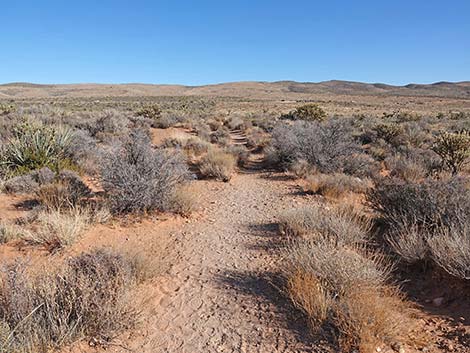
point(222, 275)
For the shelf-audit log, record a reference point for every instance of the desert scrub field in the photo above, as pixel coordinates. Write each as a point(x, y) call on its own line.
point(379, 212)
point(412, 180)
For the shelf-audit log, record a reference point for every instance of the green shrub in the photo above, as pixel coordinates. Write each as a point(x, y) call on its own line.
point(454, 149)
point(36, 146)
point(308, 112)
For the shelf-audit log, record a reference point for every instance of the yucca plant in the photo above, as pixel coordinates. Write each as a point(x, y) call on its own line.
point(35, 146)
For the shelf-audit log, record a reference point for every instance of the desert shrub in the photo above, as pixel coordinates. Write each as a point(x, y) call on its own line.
point(183, 201)
point(138, 178)
point(340, 224)
point(450, 249)
point(339, 268)
point(430, 204)
point(167, 120)
point(197, 146)
point(323, 146)
point(67, 192)
point(405, 168)
point(257, 139)
point(107, 122)
point(55, 230)
point(240, 153)
point(392, 133)
point(152, 112)
point(307, 112)
point(6, 109)
point(221, 136)
point(236, 123)
point(217, 164)
point(454, 149)
point(361, 165)
point(334, 185)
point(410, 242)
point(37, 146)
point(345, 290)
point(30, 182)
point(301, 168)
point(88, 297)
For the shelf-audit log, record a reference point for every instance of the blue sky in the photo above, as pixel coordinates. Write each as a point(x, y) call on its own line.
point(209, 41)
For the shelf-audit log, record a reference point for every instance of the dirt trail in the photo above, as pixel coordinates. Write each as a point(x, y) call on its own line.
point(217, 295)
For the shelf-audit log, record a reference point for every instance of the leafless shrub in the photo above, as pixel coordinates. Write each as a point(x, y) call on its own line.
point(340, 224)
point(430, 204)
point(29, 183)
point(217, 164)
point(89, 297)
point(138, 178)
point(324, 146)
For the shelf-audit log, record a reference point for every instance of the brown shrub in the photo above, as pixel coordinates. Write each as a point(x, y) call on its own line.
point(217, 164)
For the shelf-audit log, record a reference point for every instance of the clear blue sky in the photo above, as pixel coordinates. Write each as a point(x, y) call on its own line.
point(210, 41)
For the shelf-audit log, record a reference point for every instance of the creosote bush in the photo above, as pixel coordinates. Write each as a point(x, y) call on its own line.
point(138, 178)
point(307, 112)
point(88, 298)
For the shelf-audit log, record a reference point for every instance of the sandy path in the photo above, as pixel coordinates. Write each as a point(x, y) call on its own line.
point(217, 295)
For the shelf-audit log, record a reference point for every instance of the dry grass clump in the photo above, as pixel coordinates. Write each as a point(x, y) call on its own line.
point(344, 290)
point(183, 201)
point(340, 224)
point(334, 186)
point(240, 152)
point(428, 221)
point(197, 146)
point(88, 297)
point(55, 230)
point(217, 164)
point(450, 249)
point(9, 232)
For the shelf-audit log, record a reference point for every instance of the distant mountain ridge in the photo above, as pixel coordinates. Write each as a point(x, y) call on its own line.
point(249, 89)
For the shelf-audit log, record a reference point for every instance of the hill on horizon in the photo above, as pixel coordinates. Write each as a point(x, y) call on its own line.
point(248, 89)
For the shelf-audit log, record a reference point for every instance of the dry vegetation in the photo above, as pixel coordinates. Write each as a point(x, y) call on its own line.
point(407, 173)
